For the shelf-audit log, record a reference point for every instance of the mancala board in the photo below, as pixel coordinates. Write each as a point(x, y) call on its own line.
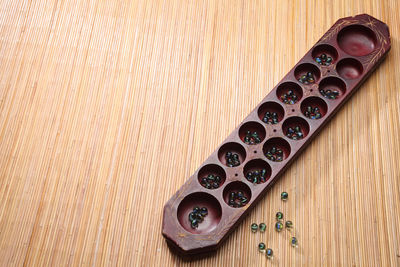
point(213, 201)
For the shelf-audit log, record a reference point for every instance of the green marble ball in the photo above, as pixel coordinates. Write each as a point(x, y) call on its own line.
point(278, 226)
point(284, 196)
point(254, 227)
point(262, 227)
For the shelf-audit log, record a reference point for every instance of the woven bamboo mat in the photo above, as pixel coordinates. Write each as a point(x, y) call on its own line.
point(106, 107)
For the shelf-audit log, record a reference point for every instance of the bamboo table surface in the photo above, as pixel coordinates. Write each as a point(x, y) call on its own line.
point(107, 107)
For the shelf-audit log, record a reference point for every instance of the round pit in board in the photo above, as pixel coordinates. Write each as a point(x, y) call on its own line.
point(357, 40)
point(201, 200)
point(252, 133)
point(307, 73)
point(211, 176)
point(237, 194)
point(349, 68)
point(276, 149)
point(295, 128)
point(257, 171)
point(271, 112)
point(324, 55)
point(289, 93)
point(332, 88)
point(232, 154)
point(314, 108)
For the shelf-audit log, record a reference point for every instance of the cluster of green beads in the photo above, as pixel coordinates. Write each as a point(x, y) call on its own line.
point(289, 98)
point(313, 113)
point(268, 251)
point(270, 117)
point(211, 181)
point(197, 216)
point(252, 138)
point(278, 227)
point(274, 154)
point(232, 159)
point(330, 94)
point(288, 224)
point(307, 78)
point(254, 227)
point(237, 199)
point(257, 176)
point(294, 133)
point(278, 224)
point(324, 60)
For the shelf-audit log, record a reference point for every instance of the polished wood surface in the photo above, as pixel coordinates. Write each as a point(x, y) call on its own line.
point(106, 107)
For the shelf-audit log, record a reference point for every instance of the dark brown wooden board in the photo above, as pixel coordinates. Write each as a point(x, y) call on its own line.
point(357, 46)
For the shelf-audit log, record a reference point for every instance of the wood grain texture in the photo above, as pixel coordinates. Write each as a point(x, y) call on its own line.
point(106, 107)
